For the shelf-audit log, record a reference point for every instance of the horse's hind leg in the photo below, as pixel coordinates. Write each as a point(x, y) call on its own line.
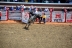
point(28, 26)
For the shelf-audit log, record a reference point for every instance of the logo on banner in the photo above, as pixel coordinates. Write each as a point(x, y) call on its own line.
point(58, 16)
point(25, 17)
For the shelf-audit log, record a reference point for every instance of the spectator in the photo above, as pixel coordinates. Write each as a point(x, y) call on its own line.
point(21, 0)
point(38, 1)
point(40, 9)
point(62, 1)
point(44, 18)
point(51, 1)
point(20, 6)
point(70, 1)
point(24, 7)
point(45, 1)
point(17, 7)
point(12, 8)
point(15, 0)
point(32, 7)
point(67, 1)
point(55, 1)
point(63, 10)
point(4, 8)
point(46, 10)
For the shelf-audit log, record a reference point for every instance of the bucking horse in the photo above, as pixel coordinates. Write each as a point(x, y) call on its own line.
point(32, 17)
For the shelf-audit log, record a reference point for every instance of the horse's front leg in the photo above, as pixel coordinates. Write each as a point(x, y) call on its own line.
point(33, 21)
point(39, 20)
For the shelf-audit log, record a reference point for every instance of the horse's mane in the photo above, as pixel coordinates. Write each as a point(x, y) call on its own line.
point(31, 12)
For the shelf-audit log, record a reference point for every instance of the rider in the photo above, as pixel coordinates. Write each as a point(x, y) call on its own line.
point(36, 11)
point(31, 8)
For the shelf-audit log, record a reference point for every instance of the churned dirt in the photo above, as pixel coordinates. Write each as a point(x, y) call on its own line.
point(49, 35)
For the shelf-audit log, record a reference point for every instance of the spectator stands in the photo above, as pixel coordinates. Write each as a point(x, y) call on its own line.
point(39, 1)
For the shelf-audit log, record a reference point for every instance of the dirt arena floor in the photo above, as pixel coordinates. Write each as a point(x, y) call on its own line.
point(51, 35)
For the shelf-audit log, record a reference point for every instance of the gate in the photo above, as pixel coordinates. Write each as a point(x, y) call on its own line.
point(15, 15)
point(4, 15)
point(69, 17)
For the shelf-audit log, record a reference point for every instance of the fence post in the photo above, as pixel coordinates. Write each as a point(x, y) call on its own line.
point(65, 12)
point(0, 15)
point(7, 13)
point(51, 10)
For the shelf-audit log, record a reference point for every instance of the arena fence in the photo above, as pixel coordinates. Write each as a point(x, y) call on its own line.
point(51, 16)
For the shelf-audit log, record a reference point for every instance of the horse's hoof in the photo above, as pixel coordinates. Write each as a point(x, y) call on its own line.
point(24, 27)
point(27, 29)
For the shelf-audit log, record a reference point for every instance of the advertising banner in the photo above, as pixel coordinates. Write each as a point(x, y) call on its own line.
point(58, 16)
point(25, 17)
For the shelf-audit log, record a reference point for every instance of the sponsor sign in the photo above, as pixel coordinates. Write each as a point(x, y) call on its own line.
point(25, 17)
point(58, 16)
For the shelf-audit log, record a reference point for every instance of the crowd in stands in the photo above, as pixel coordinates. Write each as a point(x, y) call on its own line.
point(34, 8)
point(25, 8)
point(40, 1)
